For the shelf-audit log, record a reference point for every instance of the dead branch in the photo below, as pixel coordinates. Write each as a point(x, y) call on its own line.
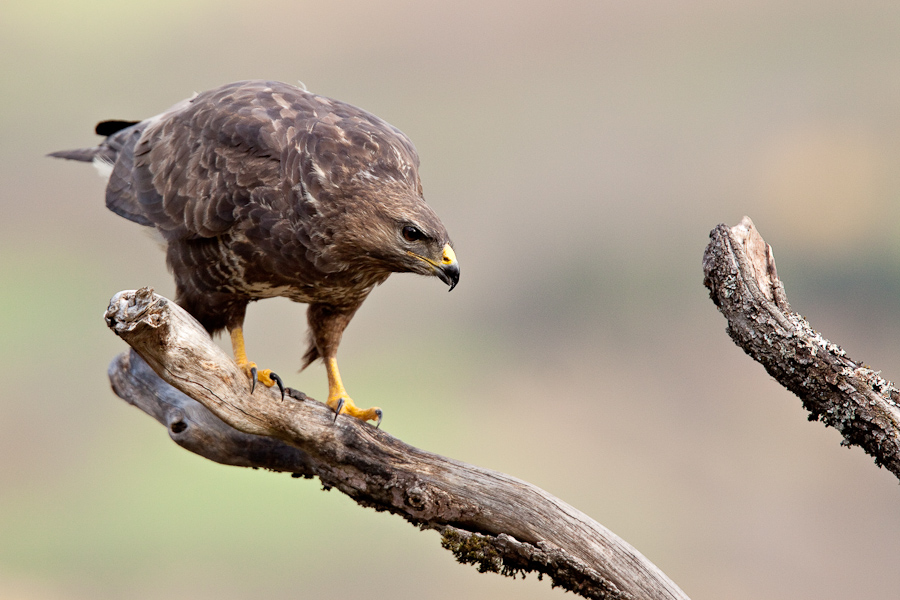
point(193, 427)
point(487, 518)
point(740, 273)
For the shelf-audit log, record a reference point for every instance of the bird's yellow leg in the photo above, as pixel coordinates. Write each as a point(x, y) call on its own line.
point(265, 377)
point(340, 401)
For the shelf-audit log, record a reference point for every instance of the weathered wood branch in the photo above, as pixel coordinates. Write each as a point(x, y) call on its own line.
point(487, 518)
point(739, 269)
point(193, 427)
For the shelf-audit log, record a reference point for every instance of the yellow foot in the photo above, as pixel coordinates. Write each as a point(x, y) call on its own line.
point(343, 405)
point(265, 377)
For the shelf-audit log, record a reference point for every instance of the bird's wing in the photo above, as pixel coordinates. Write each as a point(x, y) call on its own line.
point(198, 166)
point(117, 150)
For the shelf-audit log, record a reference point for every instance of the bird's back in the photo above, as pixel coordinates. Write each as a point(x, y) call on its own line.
point(242, 149)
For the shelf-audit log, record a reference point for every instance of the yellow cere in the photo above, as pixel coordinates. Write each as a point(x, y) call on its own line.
point(449, 256)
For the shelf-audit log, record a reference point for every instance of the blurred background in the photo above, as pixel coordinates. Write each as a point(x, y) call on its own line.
point(579, 153)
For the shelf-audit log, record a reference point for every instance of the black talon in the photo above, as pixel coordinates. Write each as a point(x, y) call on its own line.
point(337, 411)
point(277, 380)
point(378, 422)
point(252, 379)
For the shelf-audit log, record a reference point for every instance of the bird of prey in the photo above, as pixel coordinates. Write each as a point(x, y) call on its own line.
point(262, 189)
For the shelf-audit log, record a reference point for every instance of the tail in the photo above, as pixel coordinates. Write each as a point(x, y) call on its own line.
point(108, 128)
point(114, 158)
point(81, 154)
point(107, 151)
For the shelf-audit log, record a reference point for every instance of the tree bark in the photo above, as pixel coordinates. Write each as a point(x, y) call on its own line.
point(739, 269)
point(487, 518)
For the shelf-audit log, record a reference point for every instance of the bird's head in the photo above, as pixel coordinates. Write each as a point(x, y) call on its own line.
point(404, 235)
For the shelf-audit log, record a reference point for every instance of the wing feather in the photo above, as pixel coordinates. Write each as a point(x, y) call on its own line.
point(197, 167)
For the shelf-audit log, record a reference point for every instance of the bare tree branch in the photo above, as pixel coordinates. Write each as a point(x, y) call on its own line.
point(193, 427)
point(740, 273)
point(487, 518)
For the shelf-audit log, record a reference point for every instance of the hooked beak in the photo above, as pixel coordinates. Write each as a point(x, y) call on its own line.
point(448, 270)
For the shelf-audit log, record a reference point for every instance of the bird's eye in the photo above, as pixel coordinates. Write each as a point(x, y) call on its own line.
point(412, 234)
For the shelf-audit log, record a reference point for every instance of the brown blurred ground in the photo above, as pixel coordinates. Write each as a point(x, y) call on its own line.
point(579, 153)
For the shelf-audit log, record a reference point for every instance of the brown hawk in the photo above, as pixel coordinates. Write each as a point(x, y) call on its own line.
point(262, 189)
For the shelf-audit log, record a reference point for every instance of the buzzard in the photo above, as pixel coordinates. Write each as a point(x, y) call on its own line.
point(262, 189)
